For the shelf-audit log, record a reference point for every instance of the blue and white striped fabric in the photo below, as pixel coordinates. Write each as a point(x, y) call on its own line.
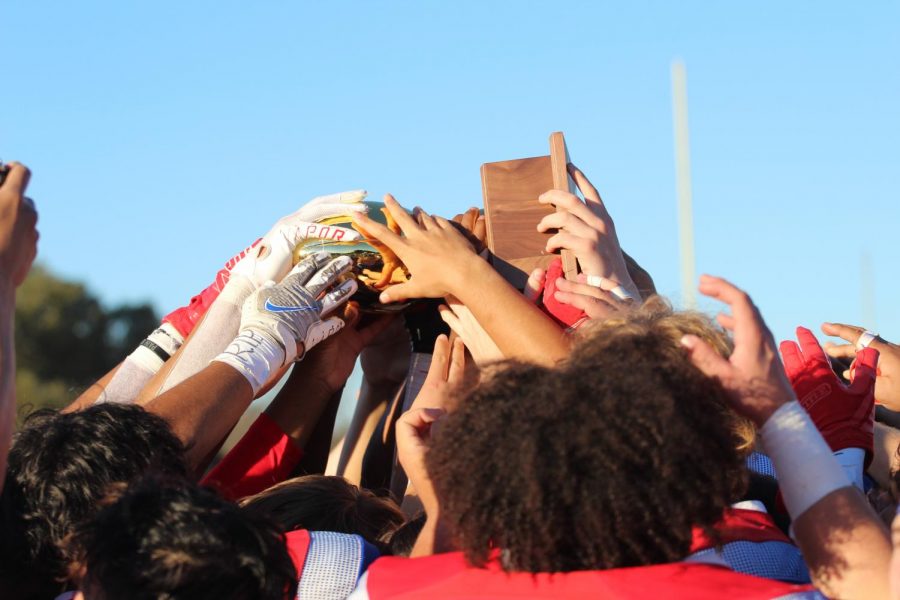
point(772, 560)
point(334, 563)
point(760, 463)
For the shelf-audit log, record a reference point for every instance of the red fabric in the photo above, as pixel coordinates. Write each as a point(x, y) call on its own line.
point(184, 319)
point(844, 415)
point(564, 314)
point(264, 456)
point(741, 525)
point(297, 543)
point(448, 576)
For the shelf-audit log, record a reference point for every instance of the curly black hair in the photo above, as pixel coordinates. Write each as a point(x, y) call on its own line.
point(60, 466)
point(169, 538)
point(609, 460)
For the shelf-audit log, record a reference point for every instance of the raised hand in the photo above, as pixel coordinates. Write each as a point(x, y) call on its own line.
point(588, 231)
point(887, 382)
point(753, 374)
point(280, 322)
point(18, 218)
point(463, 323)
point(436, 254)
point(269, 259)
point(844, 415)
point(414, 427)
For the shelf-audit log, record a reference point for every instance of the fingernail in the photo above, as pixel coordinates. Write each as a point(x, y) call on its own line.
point(384, 298)
point(688, 341)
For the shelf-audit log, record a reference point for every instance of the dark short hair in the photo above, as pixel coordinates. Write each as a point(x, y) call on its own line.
point(169, 538)
point(328, 503)
point(60, 466)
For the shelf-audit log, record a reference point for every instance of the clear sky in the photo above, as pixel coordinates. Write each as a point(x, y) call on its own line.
point(164, 136)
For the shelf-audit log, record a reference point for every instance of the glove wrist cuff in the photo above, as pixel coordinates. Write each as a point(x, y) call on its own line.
point(254, 354)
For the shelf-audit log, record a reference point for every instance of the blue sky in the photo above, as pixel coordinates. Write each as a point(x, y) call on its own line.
point(164, 136)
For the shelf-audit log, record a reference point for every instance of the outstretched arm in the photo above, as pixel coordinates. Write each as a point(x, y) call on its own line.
point(18, 247)
point(278, 323)
point(442, 263)
point(844, 543)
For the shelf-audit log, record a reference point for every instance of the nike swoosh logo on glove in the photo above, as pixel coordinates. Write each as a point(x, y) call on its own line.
point(278, 308)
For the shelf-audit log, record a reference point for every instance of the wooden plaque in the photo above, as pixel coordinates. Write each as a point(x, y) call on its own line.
point(512, 211)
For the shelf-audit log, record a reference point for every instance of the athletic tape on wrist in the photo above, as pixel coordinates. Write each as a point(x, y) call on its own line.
point(157, 348)
point(167, 338)
point(807, 470)
point(255, 355)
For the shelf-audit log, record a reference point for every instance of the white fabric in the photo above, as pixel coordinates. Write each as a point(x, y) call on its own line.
point(865, 339)
point(807, 470)
point(852, 461)
point(254, 355)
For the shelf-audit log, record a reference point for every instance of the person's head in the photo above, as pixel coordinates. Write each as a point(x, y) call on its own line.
point(328, 503)
point(657, 313)
point(60, 466)
point(608, 460)
point(169, 538)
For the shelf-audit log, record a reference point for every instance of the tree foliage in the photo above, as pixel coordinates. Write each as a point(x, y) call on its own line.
point(66, 338)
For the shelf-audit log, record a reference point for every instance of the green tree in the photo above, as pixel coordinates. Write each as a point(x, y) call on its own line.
point(66, 339)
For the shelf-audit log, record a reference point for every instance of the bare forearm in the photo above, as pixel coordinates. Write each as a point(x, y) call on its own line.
point(204, 408)
point(847, 549)
point(7, 379)
point(433, 539)
point(93, 393)
point(210, 337)
point(299, 405)
point(370, 406)
point(517, 326)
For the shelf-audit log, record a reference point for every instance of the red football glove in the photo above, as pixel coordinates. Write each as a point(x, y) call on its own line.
point(564, 314)
point(184, 319)
point(844, 415)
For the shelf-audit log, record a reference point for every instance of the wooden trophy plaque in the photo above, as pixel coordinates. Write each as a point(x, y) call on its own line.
point(512, 211)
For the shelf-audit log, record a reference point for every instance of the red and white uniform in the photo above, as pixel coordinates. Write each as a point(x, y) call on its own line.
point(448, 576)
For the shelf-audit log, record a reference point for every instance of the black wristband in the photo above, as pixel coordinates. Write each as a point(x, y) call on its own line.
point(156, 349)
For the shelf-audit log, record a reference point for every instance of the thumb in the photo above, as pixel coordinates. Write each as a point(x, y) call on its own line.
point(706, 358)
point(535, 285)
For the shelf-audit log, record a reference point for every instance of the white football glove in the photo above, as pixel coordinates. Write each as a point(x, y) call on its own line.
point(270, 259)
point(277, 318)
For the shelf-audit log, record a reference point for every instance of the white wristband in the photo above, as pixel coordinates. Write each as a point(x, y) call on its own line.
point(254, 355)
point(807, 470)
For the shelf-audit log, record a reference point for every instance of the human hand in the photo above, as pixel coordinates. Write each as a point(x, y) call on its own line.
point(435, 253)
point(844, 415)
point(753, 374)
point(269, 259)
point(332, 361)
point(292, 312)
point(470, 332)
point(414, 427)
point(587, 230)
point(18, 220)
point(385, 361)
point(473, 221)
point(446, 373)
point(887, 381)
